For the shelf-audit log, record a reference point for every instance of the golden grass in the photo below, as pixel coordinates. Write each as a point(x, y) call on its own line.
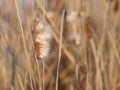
point(98, 25)
point(60, 48)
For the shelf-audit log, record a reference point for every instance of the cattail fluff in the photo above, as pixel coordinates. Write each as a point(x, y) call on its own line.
point(72, 16)
point(42, 36)
point(71, 19)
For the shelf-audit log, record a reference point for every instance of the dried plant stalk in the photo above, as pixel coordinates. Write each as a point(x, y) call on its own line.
point(60, 49)
point(89, 30)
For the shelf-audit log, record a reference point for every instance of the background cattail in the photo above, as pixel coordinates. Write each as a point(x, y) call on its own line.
point(89, 27)
point(42, 36)
point(73, 34)
point(91, 37)
point(82, 77)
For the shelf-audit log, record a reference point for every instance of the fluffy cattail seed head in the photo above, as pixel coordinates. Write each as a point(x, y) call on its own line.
point(72, 16)
point(75, 37)
point(42, 36)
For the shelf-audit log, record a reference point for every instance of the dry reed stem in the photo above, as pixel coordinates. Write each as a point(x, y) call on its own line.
point(20, 82)
point(68, 54)
point(21, 28)
point(43, 75)
point(97, 61)
point(60, 48)
point(60, 4)
point(13, 61)
point(65, 71)
point(112, 40)
point(23, 39)
point(37, 62)
point(49, 74)
point(111, 66)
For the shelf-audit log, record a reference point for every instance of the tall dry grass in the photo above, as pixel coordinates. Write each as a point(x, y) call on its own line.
point(90, 40)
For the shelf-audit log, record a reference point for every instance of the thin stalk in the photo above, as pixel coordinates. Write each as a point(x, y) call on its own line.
point(60, 49)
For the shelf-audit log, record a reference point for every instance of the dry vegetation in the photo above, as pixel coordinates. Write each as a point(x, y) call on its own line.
point(90, 45)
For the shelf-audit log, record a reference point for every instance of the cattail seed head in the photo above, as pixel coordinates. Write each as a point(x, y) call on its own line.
point(89, 27)
point(42, 36)
point(72, 16)
point(82, 77)
point(75, 37)
point(116, 6)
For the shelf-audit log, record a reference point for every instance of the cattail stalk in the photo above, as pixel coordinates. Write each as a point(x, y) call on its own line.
point(89, 30)
point(60, 49)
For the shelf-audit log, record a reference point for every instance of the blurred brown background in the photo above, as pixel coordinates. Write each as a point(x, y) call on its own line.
point(91, 37)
